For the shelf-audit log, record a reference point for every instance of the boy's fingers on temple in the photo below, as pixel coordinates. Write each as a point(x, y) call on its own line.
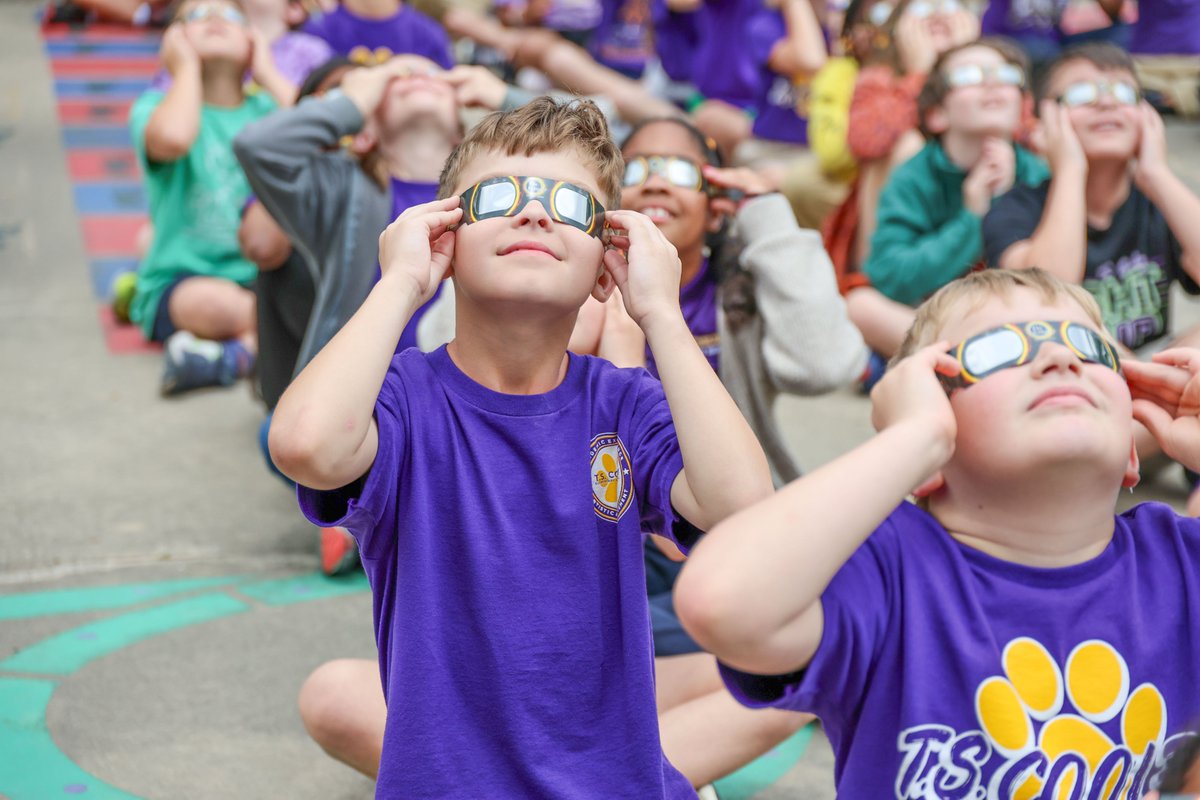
point(1187, 358)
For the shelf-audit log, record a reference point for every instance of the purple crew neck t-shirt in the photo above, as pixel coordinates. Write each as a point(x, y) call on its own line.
point(502, 537)
point(375, 40)
point(1166, 27)
point(676, 36)
point(1024, 19)
point(730, 61)
point(698, 302)
point(946, 673)
point(624, 37)
point(777, 119)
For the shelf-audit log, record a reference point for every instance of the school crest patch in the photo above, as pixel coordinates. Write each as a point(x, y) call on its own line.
point(612, 478)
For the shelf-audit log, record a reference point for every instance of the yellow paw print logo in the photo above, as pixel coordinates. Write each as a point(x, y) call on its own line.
point(1049, 719)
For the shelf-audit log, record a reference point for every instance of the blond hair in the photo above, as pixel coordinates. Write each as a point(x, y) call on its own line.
point(967, 294)
point(543, 125)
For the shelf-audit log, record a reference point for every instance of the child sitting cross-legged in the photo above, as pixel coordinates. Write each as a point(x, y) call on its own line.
point(1007, 634)
point(192, 287)
point(928, 230)
point(500, 488)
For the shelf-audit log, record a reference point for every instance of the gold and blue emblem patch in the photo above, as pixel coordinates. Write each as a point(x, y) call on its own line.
point(612, 477)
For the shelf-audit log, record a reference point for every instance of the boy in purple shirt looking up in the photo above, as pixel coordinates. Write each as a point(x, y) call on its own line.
point(372, 31)
point(1007, 635)
point(500, 488)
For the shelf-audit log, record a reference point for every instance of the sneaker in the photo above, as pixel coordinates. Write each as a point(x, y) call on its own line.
point(339, 551)
point(876, 366)
point(123, 288)
point(190, 363)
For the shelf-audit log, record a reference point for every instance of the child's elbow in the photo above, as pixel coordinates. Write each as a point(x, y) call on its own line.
point(706, 603)
point(167, 146)
point(296, 451)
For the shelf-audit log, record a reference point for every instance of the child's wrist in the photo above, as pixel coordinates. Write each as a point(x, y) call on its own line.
point(662, 325)
point(402, 289)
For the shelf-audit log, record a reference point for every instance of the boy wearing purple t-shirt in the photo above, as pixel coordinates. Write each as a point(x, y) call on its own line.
point(1006, 636)
point(499, 488)
point(372, 31)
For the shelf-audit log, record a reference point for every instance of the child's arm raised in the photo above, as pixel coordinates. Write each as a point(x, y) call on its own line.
point(267, 75)
point(281, 154)
point(1166, 399)
point(751, 591)
point(175, 123)
point(1171, 196)
point(1059, 243)
point(724, 466)
point(323, 434)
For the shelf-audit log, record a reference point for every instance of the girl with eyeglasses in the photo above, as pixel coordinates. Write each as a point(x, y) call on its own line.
point(760, 297)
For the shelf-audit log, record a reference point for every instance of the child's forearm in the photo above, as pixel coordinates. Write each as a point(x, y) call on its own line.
point(1059, 244)
point(809, 344)
point(175, 123)
point(724, 466)
point(803, 52)
point(323, 434)
point(750, 589)
point(1181, 208)
point(273, 81)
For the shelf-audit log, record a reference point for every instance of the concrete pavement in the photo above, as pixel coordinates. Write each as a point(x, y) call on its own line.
point(159, 607)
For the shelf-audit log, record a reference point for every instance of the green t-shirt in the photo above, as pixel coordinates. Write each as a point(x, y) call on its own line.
point(195, 203)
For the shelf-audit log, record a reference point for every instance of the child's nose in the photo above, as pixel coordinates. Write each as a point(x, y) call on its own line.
point(1053, 356)
point(534, 213)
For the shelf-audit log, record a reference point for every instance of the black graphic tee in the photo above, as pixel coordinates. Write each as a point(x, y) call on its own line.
point(1130, 265)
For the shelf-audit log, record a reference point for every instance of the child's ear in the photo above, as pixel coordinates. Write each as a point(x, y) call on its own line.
point(935, 120)
point(605, 284)
point(930, 485)
point(719, 209)
point(363, 142)
point(1132, 469)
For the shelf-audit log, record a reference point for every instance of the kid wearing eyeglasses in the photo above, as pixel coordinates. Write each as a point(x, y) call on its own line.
point(1112, 217)
point(192, 287)
point(1006, 635)
point(928, 229)
point(499, 487)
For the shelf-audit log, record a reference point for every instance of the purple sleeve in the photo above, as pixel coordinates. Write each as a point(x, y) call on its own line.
point(438, 44)
point(361, 505)
point(763, 31)
point(856, 609)
point(657, 462)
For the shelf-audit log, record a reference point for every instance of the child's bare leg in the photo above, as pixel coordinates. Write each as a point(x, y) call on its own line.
point(679, 679)
point(705, 732)
point(213, 308)
point(342, 706)
point(882, 321)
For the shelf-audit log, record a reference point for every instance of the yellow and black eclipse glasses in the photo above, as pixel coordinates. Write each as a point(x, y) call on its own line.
point(505, 197)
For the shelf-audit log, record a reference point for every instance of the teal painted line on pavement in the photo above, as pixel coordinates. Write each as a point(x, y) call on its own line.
point(766, 769)
point(32, 766)
point(96, 598)
point(315, 586)
point(70, 650)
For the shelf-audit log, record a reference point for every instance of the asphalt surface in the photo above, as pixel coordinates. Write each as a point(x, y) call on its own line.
point(159, 601)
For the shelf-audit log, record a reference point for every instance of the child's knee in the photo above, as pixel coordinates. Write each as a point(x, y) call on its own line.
point(320, 699)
